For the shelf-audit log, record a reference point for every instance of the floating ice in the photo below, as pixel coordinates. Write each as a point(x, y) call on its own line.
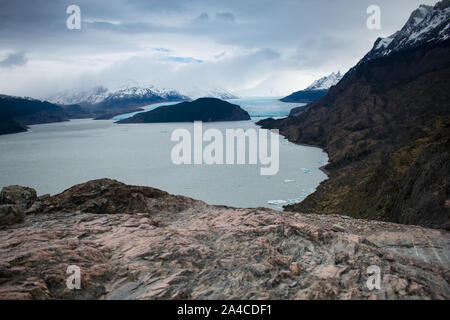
point(276, 202)
point(289, 181)
point(296, 200)
point(305, 170)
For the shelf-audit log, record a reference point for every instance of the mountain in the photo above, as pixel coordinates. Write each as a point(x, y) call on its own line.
point(203, 109)
point(75, 111)
point(386, 128)
point(305, 96)
point(74, 96)
point(17, 113)
point(315, 91)
point(102, 103)
point(325, 83)
point(214, 92)
point(426, 24)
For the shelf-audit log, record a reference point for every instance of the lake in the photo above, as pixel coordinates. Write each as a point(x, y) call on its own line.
point(53, 157)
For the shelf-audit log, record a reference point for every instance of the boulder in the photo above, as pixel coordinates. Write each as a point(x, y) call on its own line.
point(107, 196)
point(21, 196)
point(10, 214)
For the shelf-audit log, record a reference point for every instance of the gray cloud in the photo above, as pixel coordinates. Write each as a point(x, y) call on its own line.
point(277, 42)
point(14, 60)
point(203, 17)
point(227, 16)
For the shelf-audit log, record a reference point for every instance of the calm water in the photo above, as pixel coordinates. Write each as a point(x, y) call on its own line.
point(53, 157)
point(265, 107)
point(258, 107)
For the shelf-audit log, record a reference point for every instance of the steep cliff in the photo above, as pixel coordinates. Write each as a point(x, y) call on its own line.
point(386, 129)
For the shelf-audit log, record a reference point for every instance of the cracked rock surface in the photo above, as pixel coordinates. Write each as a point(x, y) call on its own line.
point(147, 244)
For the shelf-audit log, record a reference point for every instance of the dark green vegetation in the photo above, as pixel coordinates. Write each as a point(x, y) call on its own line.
point(17, 113)
point(386, 128)
point(203, 109)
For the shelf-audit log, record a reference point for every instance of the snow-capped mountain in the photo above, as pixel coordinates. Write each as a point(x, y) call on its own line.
point(426, 24)
point(219, 93)
point(74, 96)
point(145, 93)
point(325, 82)
point(315, 91)
point(97, 95)
point(103, 103)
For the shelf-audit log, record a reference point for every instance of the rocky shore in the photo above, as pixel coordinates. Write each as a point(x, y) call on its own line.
point(135, 242)
point(386, 129)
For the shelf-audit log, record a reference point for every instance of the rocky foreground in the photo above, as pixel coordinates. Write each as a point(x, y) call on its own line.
point(142, 243)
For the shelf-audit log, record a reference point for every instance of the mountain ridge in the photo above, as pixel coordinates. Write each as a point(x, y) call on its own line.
point(425, 24)
point(386, 128)
point(17, 113)
point(326, 82)
point(314, 91)
point(103, 103)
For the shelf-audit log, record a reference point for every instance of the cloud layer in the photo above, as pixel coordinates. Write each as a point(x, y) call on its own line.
point(13, 60)
point(250, 47)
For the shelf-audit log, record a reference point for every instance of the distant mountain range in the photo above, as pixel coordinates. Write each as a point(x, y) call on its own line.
point(315, 91)
point(386, 129)
point(17, 113)
point(103, 103)
point(99, 94)
point(214, 92)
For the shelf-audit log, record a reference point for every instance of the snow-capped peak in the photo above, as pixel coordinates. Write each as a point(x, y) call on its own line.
point(99, 94)
point(426, 24)
point(326, 82)
point(213, 92)
point(137, 91)
point(73, 96)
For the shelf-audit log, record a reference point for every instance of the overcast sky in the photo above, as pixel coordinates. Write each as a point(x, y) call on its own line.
point(249, 47)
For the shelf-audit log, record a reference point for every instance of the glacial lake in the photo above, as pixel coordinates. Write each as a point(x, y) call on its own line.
point(54, 157)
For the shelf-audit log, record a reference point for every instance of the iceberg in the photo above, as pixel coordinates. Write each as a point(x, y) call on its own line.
point(276, 202)
point(305, 170)
point(296, 200)
point(289, 181)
